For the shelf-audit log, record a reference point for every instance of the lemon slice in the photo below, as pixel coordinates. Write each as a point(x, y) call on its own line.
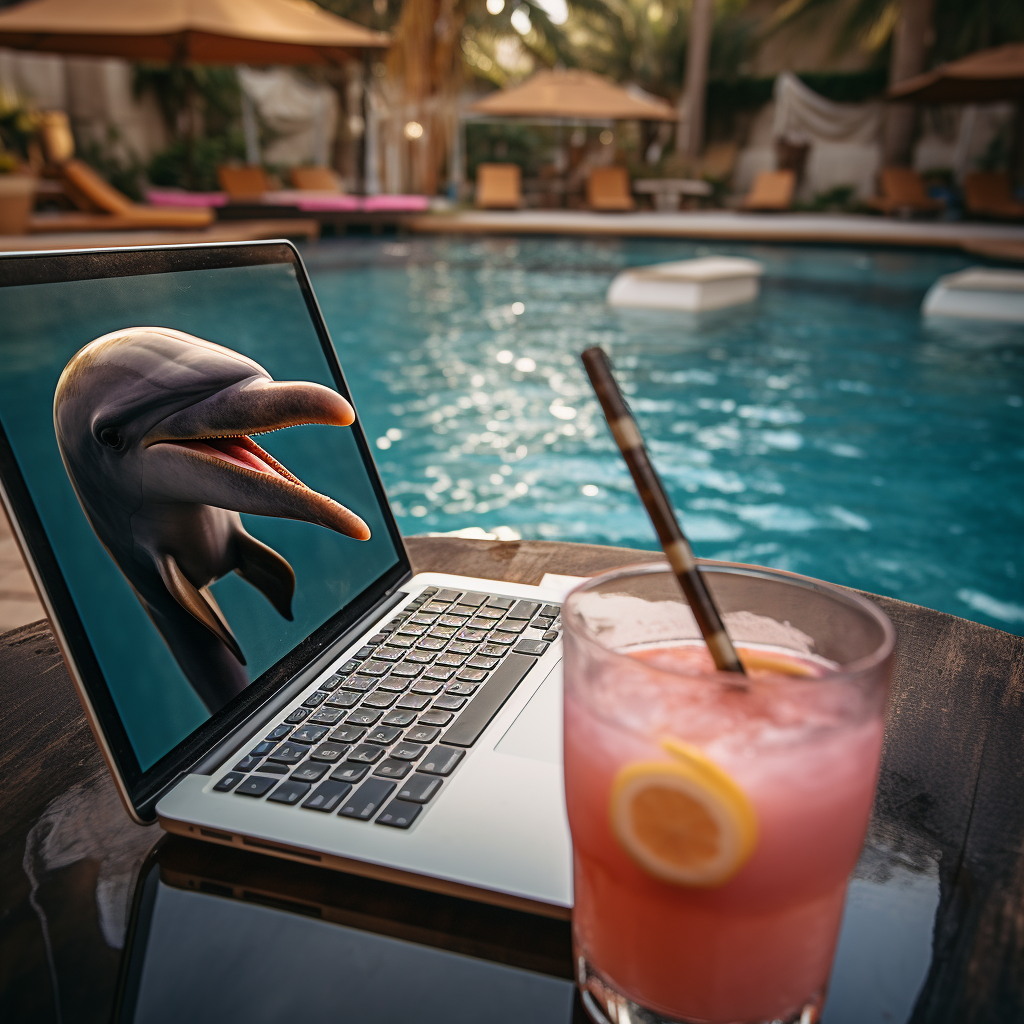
point(684, 821)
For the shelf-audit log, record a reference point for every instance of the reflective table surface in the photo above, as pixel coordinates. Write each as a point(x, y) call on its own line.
point(105, 920)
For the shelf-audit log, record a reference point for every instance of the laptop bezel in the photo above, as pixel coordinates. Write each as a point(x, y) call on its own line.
point(140, 789)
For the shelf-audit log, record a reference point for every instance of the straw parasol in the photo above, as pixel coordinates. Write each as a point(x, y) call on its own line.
point(200, 31)
point(987, 76)
point(572, 95)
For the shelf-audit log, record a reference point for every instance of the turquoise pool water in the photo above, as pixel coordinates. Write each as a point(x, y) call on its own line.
point(826, 428)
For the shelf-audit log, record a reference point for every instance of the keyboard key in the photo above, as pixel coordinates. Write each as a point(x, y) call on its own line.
point(442, 632)
point(309, 734)
point(551, 610)
point(407, 670)
point(428, 686)
point(375, 668)
point(451, 660)
point(315, 699)
point(347, 734)
point(492, 651)
point(423, 734)
point(448, 703)
point(390, 654)
point(438, 672)
point(247, 764)
point(481, 662)
point(463, 689)
point(392, 769)
point(228, 783)
point(430, 643)
point(366, 753)
point(436, 718)
point(542, 623)
point(414, 628)
point(550, 635)
point(262, 749)
point(484, 706)
point(530, 647)
point(363, 716)
point(503, 638)
point(393, 684)
point(289, 792)
point(256, 785)
point(344, 699)
point(384, 734)
point(485, 614)
point(472, 635)
point(451, 620)
point(311, 771)
point(365, 801)
point(422, 657)
point(513, 626)
point(481, 623)
point(460, 647)
point(278, 733)
point(413, 702)
point(501, 602)
point(435, 608)
point(289, 753)
point(269, 768)
point(448, 595)
point(379, 699)
point(419, 619)
point(397, 717)
point(349, 772)
point(326, 716)
point(523, 610)
point(327, 796)
point(473, 600)
point(397, 643)
point(399, 814)
point(419, 788)
point(472, 675)
point(364, 652)
point(441, 760)
point(330, 752)
point(348, 668)
point(377, 638)
point(405, 751)
point(463, 609)
point(360, 684)
point(331, 683)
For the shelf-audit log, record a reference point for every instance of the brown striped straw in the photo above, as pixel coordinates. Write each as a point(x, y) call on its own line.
point(652, 494)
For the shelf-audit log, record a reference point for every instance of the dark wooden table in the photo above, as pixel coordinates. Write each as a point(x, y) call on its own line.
point(948, 821)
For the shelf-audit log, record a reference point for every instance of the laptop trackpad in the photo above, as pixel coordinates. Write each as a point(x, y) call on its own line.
point(537, 731)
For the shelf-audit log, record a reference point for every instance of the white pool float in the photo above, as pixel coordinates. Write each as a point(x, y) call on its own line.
point(978, 293)
point(711, 282)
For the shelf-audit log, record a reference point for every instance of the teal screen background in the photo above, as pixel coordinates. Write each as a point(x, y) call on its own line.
point(258, 311)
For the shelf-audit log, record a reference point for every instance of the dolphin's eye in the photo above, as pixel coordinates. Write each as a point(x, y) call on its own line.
point(111, 437)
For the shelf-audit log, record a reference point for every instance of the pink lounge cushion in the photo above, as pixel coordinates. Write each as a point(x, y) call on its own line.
point(396, 204)
point(175, 197)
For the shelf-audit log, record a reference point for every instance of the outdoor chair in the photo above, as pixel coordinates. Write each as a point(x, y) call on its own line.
point(499, 186)
point(104, 208)
point(608, 189)
point(243, 183)
point(903, 193)
point(315, 179)
point(56, 138)
point(990, 194)
point(772, 190)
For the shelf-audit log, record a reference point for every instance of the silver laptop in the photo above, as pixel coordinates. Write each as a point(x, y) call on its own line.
point(187, 477)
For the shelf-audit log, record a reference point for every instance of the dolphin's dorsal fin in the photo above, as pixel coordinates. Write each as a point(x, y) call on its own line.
point(200, 604)
point(267, 571)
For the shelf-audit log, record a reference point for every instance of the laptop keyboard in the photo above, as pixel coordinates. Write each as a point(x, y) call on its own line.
point(378, 739)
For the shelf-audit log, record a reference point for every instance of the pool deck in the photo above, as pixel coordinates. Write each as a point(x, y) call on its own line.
point(1006, 241)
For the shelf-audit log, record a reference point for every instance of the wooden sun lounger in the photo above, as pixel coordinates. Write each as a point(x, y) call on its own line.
point(315, 179)
point(989, 194)
point(107, 209)
point(772, 190)
point(243, 183)
point(499, 186)
point(608, 189)
point(903, 192)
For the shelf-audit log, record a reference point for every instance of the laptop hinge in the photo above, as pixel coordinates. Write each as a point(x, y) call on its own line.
point(258, 720)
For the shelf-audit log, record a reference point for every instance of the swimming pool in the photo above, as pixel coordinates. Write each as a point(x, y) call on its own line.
point(824, 429)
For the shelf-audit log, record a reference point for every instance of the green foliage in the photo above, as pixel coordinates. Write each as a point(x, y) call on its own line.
point(841, 199)
point(122, 170)
point(193, 164)
point(19, 122)
point(527, 145)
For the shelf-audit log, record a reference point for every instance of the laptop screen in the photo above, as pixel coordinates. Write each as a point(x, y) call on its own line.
point(177, 420)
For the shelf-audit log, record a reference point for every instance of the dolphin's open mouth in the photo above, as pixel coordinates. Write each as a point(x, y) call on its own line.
point(239, 450)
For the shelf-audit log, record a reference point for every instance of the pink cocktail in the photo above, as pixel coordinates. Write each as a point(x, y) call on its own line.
point(715, 826)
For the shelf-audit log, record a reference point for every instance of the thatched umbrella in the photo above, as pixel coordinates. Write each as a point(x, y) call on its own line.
point(987, 76)
point(199, 31)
